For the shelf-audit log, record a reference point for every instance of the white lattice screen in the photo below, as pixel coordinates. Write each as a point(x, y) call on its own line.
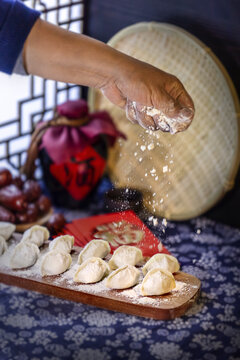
point(25, 100)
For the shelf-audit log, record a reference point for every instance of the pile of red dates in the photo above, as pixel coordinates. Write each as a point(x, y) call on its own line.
point(21, 202)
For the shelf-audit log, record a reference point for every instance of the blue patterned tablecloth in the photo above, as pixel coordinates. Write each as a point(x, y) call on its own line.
point(38, 327)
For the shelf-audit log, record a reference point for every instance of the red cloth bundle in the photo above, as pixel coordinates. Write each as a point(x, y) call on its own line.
point(63, 142)
point(74, 152)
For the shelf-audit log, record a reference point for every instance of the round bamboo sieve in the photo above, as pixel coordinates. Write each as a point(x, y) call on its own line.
point(182, 175)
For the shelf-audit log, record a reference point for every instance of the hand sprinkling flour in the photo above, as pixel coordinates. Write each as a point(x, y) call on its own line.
point(160, 121)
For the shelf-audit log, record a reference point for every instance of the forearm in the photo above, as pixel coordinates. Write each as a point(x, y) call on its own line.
point(54, 53)
point(57, 54)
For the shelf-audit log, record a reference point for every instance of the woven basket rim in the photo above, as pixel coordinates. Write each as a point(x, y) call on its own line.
point(142, 26)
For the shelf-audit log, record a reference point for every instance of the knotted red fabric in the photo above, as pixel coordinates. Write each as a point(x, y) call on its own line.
point(62, 142)
point(74, 157)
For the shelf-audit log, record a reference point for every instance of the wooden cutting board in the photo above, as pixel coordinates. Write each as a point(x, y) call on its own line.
point(128, 301)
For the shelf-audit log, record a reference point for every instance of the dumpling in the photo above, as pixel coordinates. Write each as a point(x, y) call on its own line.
point(63, 243)
point(96, 248)
point(91, 271)
point(6, 229)
point(123, 278)
point(36, 234)
point(163, 261)
point(125, 255)
point(157, 282)
point(25, 254)
point(3, 245)
point(55, 263)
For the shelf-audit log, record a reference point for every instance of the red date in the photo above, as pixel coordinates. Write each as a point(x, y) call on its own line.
point(12, 198)
point(21, 218)
point(18, 181)
point(32, 190)
point(44, 204)
point(56, 223)
point(32, 212)
point(5, 177)
point(6, 215)
point(30, 216)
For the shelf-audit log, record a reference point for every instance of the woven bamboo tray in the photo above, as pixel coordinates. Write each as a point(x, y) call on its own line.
point(185, 174)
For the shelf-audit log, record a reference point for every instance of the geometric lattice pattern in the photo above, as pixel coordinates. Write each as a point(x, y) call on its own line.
point(43, 95)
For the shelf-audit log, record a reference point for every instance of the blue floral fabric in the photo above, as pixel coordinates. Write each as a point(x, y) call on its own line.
point(38, 327)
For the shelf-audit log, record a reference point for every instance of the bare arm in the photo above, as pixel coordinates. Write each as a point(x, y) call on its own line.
point(54, 53)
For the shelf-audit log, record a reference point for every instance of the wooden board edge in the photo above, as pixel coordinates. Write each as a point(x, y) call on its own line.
point(99, 301)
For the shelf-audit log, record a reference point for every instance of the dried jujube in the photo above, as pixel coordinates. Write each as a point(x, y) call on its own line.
point(5, 177)
point(6, 215)
point(56, 223)
point(44, 204)
point(18, 181)
point(32, 190)
point(12, 198)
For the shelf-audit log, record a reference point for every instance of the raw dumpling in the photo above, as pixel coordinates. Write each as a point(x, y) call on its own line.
point(95, 248)
point(63, 243)
point(3, 245)
point(163, 261)
point(36, 234)
point(25, 254)
point(125, 255)
point(91, 270)
point(6, 229)
point(55, 263)
point(157, 282)
point(123, 278)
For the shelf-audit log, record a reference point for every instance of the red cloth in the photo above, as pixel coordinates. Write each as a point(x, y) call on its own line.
point(62, 142)
point(83, 230)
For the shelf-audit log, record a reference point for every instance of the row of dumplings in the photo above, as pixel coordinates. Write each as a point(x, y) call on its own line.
point(120, 270)
point(158, 270)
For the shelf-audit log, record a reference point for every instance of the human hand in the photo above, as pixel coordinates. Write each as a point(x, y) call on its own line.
point(151, 97)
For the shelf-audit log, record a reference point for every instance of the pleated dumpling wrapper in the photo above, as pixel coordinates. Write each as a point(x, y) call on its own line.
point(55, 263)
point(62, 243)
point(25, 254)
point(6, 229)
point(3, 245)
point(91, 271)
point(163, 261)
point(157, 282)
point(123, 278)
point(36, 235)
point(125, 255)
point(95, 248)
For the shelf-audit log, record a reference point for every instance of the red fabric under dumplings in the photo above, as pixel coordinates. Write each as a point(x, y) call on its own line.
point(83, 230)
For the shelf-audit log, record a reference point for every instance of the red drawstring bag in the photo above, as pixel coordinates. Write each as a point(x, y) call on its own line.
point(73, 151)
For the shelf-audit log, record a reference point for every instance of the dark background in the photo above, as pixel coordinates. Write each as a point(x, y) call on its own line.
point(215, 22)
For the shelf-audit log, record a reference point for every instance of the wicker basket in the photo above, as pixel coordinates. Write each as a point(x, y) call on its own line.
point(183, 175)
